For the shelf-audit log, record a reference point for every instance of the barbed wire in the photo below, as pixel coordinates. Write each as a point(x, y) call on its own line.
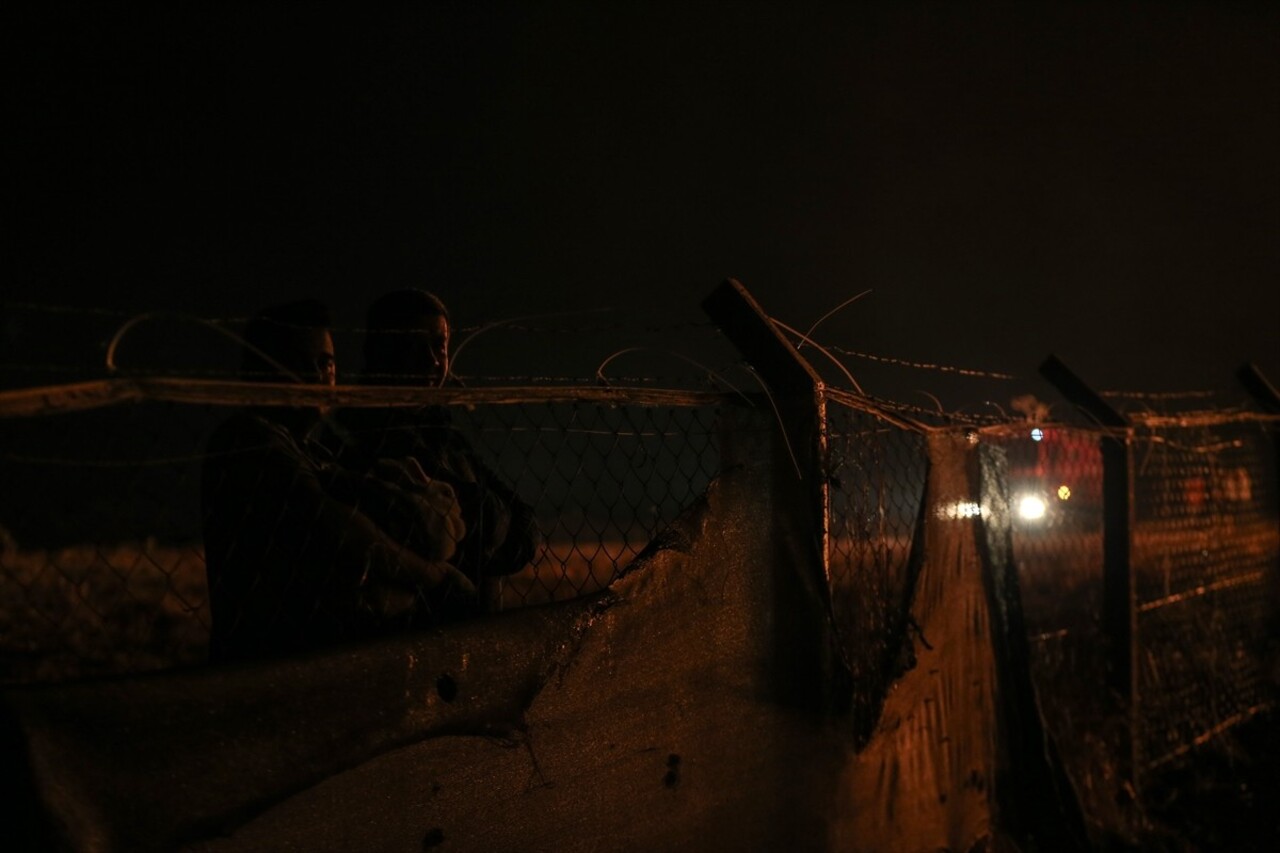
point(693, 379)
point(99, 389)
point(923, 413)
point(804, 338)
point(941, 368)
point(1208, 417)
point(1201, 449)
point(1159, 395)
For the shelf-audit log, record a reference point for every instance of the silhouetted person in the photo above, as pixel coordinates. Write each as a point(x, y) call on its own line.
point(301, 552)
point(407, 343)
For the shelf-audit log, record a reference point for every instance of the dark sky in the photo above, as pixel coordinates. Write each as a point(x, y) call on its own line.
point(1097, 181)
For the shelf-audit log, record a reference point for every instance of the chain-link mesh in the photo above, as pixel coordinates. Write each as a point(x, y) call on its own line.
point(1204, 565)
point(602, 481)
point(1055, 487)
point(1055, 490)
point(102, 560)
point(100, 568)
point(876, 472)
point(1206, 578)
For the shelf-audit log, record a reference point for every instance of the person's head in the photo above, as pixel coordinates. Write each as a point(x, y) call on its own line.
point(407, 339)
point(290, 342)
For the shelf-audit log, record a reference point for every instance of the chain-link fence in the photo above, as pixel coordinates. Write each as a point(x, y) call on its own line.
point(102, 562)
point(1203, 575)
point(103, 570)
point(1205, 553)
point(601, 479)
point(1197, 571)
point(1055, 489)
point(876, 472)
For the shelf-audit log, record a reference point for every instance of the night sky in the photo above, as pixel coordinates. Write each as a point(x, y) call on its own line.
point(1008, 180)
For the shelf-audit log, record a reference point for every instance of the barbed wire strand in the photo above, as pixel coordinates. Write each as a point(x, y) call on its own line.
point(819, 321)
point(782, 427)
point(139, 319)
point(600, 377)
point(820, 348)
point(942, 412)
point(941, 368)
point(1159, 395)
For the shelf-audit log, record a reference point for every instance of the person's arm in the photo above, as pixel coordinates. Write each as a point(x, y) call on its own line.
point(422, 514)
point(502, 534)
point(359, 541)
point(517, 549)
point(330, 532)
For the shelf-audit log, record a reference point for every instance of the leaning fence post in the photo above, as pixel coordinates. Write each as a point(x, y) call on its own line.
point(807, 669)
point(1266, 395)
point(1252, 378)
point(1119, 613)
point(1268, 399)
point(795, 389)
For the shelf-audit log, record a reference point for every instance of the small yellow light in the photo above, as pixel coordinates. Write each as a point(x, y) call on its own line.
point(1064, 492)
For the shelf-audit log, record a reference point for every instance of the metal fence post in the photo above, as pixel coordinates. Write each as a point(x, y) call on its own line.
point(795, 390)
point(809, 668)
point(1260, 388)
point(1267, 397)
point(1119, 612)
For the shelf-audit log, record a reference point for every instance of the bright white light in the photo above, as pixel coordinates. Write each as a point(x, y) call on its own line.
point(1031, 508)
point(1064, 492)
point(1037, 434)
point(960, 509)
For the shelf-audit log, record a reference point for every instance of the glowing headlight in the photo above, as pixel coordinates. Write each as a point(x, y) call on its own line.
point(1031, 508)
